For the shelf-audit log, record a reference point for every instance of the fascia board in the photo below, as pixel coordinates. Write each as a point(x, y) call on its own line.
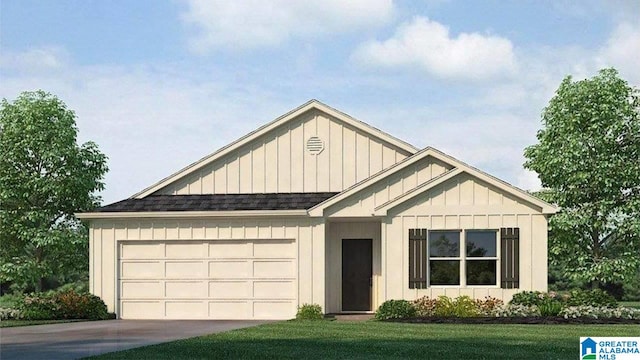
point(408, 148)
point(190, 214)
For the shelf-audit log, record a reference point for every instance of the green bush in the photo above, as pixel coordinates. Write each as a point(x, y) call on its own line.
point(10, 301)
point(395, 309)
point(309, 312)
point(62, 305)
point(599, 312)
point(38, 306)
point(593, 297)
point(550, 308)
point(516, 310)
point(462, 306)
point(425, 307)
point(529, 298)
point(9, 314)
point(487, 305)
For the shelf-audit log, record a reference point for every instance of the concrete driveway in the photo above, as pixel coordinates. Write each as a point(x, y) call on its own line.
point(81, 339)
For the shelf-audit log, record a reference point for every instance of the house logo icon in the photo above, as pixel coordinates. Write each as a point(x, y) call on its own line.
point(588, 349)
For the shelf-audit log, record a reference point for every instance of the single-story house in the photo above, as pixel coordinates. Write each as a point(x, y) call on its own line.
point(315, 207)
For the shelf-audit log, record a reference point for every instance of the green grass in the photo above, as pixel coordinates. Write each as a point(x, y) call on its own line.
point(379, 340)
point(631, 304)
point(14, 323)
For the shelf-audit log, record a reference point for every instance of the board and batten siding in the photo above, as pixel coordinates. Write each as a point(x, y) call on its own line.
point(278, 162)
point(308, 235)
point(463, 202)
point(389, 188)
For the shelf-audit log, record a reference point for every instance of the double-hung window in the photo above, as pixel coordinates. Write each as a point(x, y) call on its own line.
point(444, 257)
point(469, 257)
point(481, 257)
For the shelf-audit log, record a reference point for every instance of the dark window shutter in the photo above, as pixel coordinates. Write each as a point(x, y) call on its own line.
point(417, 258)
point(510, 257)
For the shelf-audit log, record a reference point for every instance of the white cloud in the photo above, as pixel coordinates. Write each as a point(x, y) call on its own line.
point(429, 45)
point(48, 58)
point(257, 23)
point(150, 121)
point(622, 51)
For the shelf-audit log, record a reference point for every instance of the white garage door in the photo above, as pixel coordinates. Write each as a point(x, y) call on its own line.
point(250, 279)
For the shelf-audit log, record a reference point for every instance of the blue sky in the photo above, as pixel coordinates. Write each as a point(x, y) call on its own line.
point(159, 84)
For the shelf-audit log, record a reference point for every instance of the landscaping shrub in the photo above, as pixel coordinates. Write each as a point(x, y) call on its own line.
point(532, 298)
point(10, 301)
point(487, 305)
point(80, 306)
point(309, 312)
point(9, 314)
point(38, 306)
point(516, 310)
point(425, 307)
point(593, 297)
point(395, 309)
point(550, 307)
point(599, 312)
point(462, 306)
point(62, 305)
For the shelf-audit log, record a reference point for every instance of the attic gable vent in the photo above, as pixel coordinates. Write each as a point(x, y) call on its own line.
point(315, 145)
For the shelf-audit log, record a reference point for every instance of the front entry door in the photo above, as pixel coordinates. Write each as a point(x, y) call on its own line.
point(356, 275)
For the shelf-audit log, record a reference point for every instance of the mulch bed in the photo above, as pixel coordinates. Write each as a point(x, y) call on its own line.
point(547, 320)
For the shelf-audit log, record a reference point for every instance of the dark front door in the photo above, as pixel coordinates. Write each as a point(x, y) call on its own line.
point(356, 275)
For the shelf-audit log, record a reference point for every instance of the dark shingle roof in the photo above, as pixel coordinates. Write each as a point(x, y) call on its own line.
point(219, 202)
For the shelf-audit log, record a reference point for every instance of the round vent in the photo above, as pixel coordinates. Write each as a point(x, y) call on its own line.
point(315, 145)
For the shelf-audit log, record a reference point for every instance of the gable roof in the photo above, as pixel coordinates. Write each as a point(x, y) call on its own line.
point(219, 202)
point(312, 104)
point(459, 167)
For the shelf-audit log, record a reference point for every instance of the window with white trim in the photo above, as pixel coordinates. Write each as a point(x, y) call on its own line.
point(463, 258)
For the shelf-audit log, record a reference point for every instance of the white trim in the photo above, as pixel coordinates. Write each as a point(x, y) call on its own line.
point(427, 185)
point(544, 206)
point(458, 168)
point(318, 209)
point(312, 104)
point(189, 214)
point(463, 258)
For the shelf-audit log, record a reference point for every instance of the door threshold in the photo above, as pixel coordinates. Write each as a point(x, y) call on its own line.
point(355, 312)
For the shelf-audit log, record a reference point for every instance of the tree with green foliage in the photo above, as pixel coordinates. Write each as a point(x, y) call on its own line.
point(588, 160)
point(45, 177)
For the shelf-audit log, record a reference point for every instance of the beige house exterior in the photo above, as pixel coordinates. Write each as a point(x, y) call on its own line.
point(315, 207)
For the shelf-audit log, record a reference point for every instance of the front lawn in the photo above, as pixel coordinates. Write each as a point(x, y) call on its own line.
point(381, 340)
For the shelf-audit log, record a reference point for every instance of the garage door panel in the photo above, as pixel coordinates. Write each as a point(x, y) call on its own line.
point(276, 269)
point(141, 289)
point(274, 289)
point(230, 269)
point(186, 310)
point(230, 289)
point(141, 270)
point(185, 269)
point(185, 289)
point(273, 309)
point(230, 310)
point(186, 251)
point(185, 279)
point(274, 249)
point(142, 251)
point(229, 249)
point(141, 310)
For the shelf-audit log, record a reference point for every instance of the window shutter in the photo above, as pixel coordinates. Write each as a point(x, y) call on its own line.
point(510, 259)
point(417, 258)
